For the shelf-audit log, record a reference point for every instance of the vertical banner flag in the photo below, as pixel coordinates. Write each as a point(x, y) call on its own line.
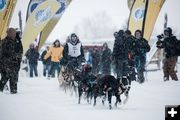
point(3, 6)
point(6, 12)
point(136, 16)
point(52, 23)
point(153, 9)
point(32, 6)
point(38, 19)
point(143, 16)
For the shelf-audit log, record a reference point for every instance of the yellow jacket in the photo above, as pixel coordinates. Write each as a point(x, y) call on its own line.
point(56, 53)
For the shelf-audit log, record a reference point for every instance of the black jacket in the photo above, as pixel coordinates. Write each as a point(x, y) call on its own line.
point(105, 62)
point(48, 60)
point(19, 50)
point(118, 46)
point(122, 47)
point(169, 45)
point(33, 56)
point(95, 58)
point(11, 54)
point(141, 47)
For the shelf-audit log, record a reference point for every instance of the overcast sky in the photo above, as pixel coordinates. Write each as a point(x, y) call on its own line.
point(116, 9)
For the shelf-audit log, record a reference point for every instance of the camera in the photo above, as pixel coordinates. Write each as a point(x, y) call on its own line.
point(160, 36)
point(18, 35)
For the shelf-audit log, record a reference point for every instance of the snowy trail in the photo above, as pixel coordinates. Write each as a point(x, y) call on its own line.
point(42, 99)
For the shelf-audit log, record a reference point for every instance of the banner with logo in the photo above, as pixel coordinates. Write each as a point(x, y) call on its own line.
point(136, 17)
point(3, 6)
point(153, 9)
point(6, 12)
point(143, 16)
point(38, 20)
point(52, 23)
point(32, 6)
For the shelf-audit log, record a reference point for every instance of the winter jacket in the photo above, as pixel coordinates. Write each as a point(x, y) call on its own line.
point(32, 55)
point(118, 48)
point(55, 53)
point(68, 48)
point(106, 61)
point(18, 51)
point(9, 56)
point(122, 47)
point(95, 58)
point(130, 41)
point(169, 45)
point(48, 60)
point(141, 47)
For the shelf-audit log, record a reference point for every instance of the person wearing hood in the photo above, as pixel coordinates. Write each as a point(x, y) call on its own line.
point(169, 45)
point(73, 50)
point(55, 52)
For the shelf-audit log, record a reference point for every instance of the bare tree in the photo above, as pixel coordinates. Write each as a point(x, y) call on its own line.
point(97, 26)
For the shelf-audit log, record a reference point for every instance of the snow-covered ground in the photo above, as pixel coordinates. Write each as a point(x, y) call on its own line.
point(42, 99)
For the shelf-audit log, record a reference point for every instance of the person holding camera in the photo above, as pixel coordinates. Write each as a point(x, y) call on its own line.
point(169, 43)
point(142, 47)
point(0, 57)
point(18, 50)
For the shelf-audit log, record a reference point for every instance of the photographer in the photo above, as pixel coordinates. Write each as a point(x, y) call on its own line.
point(168, 43)
point(18, 49)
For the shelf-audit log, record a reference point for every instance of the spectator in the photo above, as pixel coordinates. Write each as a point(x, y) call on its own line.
point(46, 63)
point(169, 45)
point(105, 62)
point(142, 47)
point(32, 55)
point(55, 53)
point(95, 61)
point(11, 55)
